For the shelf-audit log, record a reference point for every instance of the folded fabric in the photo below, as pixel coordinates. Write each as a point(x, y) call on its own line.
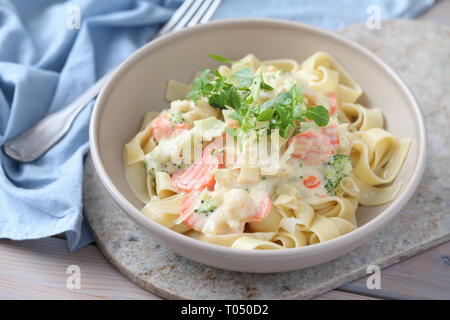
point(44, 66)
point(327, 14)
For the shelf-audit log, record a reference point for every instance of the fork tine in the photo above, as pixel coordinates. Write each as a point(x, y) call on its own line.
point(212, 9)
point(200, 13)
point(179, 13)
point(188, 15)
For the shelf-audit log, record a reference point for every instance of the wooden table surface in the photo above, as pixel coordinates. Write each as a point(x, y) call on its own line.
point(37, 269)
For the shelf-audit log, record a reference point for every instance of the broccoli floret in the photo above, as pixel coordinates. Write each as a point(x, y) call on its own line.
point(207, 205)
point(176, 117)
point(336, 168)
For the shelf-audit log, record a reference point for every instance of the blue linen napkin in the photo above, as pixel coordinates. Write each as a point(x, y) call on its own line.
point(44, 66)
point(327, 14)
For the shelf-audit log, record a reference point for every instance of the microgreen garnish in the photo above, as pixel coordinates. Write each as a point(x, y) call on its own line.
point(286, 111)
point(239, 91)
point(219, 92)
point(264, 85)
point(220, 58)
point(202, 85)
point(215, 151)
point(245, 77)
point(319, 114)
point(266, 115)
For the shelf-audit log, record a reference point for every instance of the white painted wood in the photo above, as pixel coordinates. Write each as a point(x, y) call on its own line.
point(37, 270)
point(341, 295)
point(439, 13)
point(424, 276)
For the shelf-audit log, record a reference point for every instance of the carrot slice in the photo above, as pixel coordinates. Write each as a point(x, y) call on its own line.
point(200, 175)
point(188, 203)
point(263, 210)
point(311, 182)
point(312, 147)
point(163, 128)
point(332, 131)
point(334, 102)
point(195, 220)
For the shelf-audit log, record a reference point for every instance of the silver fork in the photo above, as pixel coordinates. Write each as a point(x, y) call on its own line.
point(33, 143)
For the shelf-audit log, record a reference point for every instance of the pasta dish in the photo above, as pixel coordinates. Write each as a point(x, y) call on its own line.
point(264, 154)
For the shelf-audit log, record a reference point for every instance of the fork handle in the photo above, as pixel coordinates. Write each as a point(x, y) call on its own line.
point(34, 142)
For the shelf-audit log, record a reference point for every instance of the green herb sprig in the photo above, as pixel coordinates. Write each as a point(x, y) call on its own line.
point(238, 90)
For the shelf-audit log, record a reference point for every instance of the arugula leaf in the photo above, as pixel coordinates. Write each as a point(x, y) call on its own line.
point(319, 114)
point(245, 77)
point(220, 58)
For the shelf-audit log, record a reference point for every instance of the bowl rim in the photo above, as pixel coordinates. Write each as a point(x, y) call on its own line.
point(360, 233)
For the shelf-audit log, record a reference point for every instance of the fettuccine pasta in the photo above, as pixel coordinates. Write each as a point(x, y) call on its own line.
point(264, 155)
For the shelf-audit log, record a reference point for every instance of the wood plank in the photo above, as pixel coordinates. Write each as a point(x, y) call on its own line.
point(37, 270)
point(341, 295)
point(439, 13)
point(424, 276)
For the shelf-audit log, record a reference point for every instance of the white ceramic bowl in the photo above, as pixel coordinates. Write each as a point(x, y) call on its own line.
point(139, 85)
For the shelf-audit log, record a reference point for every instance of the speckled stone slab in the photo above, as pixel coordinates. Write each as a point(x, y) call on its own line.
point(420, 53)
